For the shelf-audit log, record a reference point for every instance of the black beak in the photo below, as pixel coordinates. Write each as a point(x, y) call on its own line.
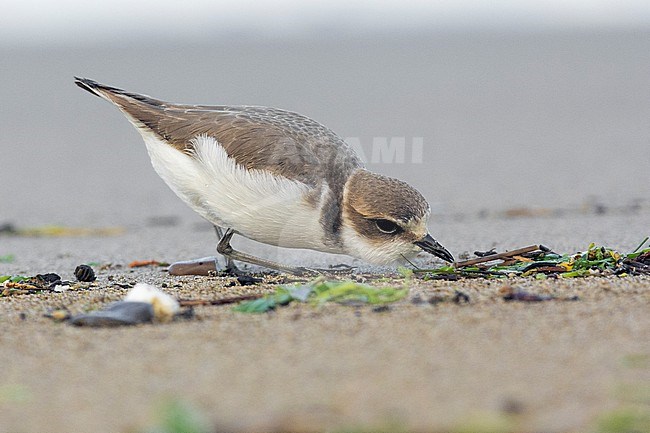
point(430, 245)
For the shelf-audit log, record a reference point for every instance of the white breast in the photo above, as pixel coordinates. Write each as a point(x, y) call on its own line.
point(257, 204)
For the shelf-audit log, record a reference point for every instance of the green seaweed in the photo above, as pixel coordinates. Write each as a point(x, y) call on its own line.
point(351, 292)
point(625, 420)
point(321, 291)
point(13, 278)
point(596, 260)
point(179, 416)
point(267, 303)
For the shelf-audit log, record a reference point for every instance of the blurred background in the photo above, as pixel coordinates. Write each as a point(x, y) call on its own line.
point(517, 108)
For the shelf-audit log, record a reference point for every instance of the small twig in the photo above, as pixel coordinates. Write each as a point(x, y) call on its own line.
point(410, 262)
point(637, 265)
point(641, 244)
point(490, 258)
point(485, 253)
point(223, 301)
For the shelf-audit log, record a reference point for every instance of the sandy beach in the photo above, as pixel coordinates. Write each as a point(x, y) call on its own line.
point(537, 139)
point(419, 366)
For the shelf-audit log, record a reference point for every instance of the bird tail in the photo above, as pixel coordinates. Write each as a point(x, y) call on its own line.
point(142, 111)
point(95, 88)
point(115, 95)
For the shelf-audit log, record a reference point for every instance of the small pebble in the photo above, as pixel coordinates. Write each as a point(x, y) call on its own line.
point(48, 278)
point(510, 293)
point(84, 273)
point(58, 315)
point(461, 298)
point(59, 288)
point(436, 299)
point(247, 280)
point(119, 313)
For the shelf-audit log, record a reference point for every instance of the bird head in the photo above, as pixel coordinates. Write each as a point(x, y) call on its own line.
point(385, 220)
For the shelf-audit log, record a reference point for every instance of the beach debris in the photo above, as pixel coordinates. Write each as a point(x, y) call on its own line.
point(205, 266)
point(248, 280)
point(245, 280)
point(143, 263)
point(49, 278)
point(490, 252)
point(320, 291)
point(461, 297)
point(84, 273)
point(144, 303)
point(221, 301)
point(12, 278)
point(510, 293)
point(9, 229)
point(58, 315)
point(60, 286)
point(16, 288)
point(164, 306)
point(118, 313)
point(491, 256)
point(53, 282)
point(19, 284)
point(458, 297)
point(266, 303)
point(208, 266)
point(540, 262)
point(350, 292)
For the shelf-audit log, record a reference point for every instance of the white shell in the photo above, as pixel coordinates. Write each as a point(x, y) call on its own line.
point(164, 306)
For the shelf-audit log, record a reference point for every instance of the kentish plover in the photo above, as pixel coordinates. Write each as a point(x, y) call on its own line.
point(276, 177)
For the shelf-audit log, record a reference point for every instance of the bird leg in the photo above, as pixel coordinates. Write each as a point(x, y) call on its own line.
point(205, 265)
point(224, 248)
point(230, 263)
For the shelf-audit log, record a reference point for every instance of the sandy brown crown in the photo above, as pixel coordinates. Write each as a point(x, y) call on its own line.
point(375, 196)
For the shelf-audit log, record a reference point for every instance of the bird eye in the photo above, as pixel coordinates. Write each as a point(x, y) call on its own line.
point(387, 226)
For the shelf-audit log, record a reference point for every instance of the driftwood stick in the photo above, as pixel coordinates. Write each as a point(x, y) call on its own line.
point(223, 301)
point(498, 256)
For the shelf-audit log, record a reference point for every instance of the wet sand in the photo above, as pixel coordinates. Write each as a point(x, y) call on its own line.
point(554, 366)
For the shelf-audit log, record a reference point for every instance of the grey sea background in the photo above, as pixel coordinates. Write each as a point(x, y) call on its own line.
point(491, 126)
